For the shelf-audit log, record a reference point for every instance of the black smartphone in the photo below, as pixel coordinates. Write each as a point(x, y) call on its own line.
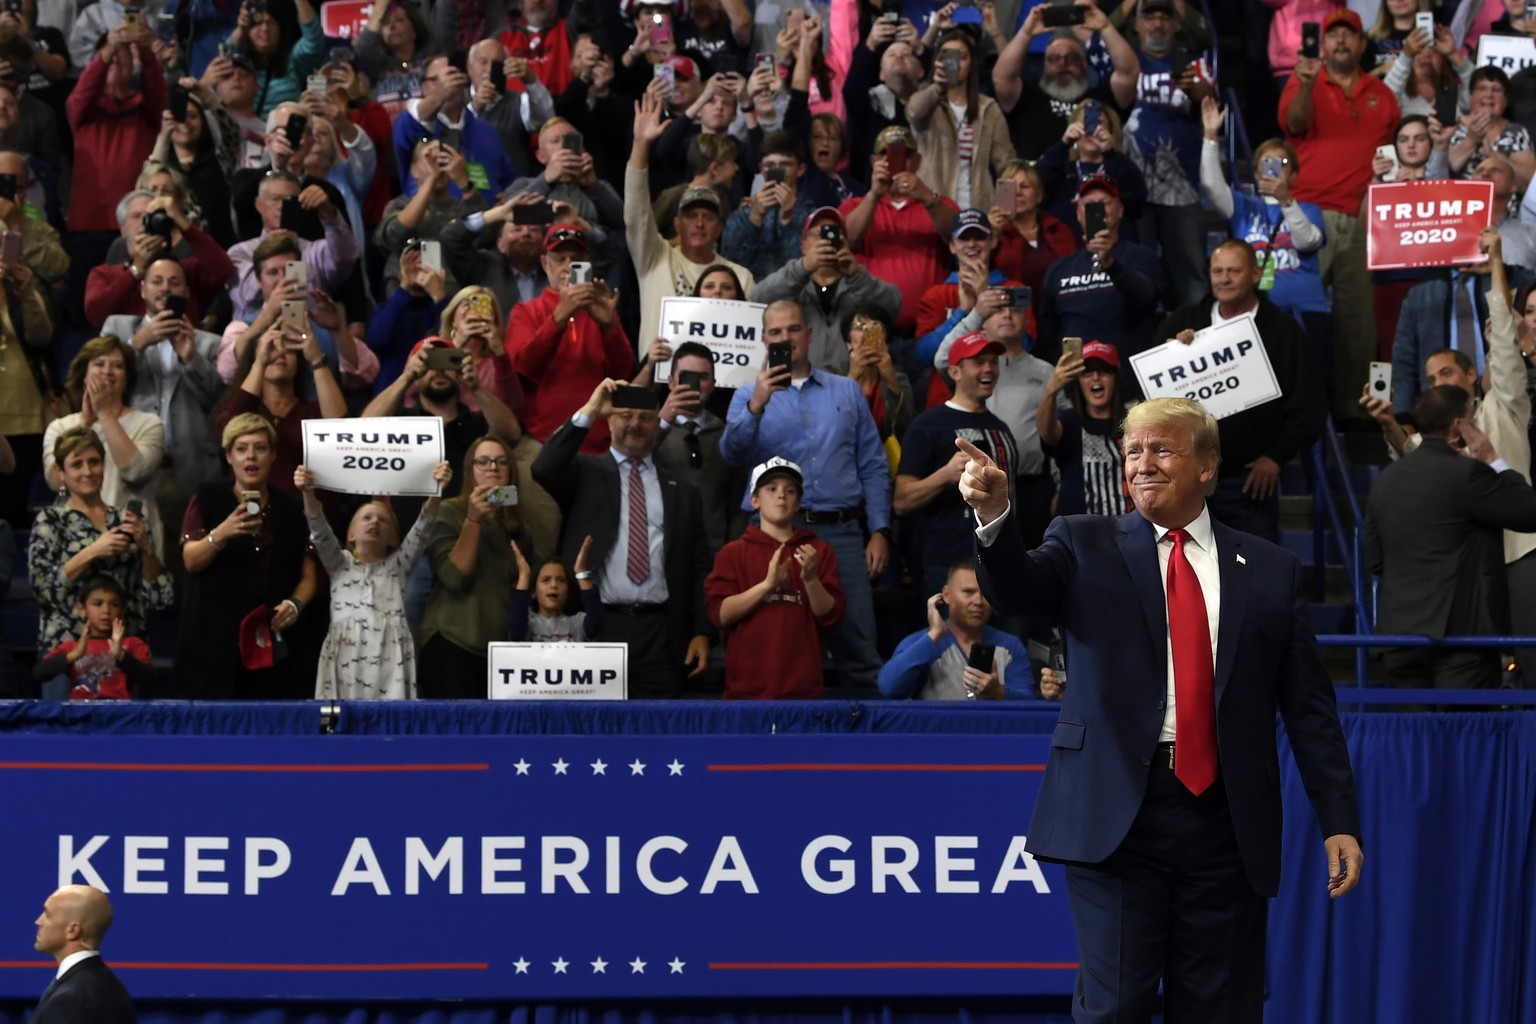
point(7, 186)
point(1092, 113)
point(983, 656)
point(775, 174)
point(10, 248)
point(136, 507)
point(178, 103)
point(1178, 61)
point(831, 233)
point(447, 359)
point(627, 396)
point(499, 76)
point(533, 213)
point(1063, 15)
point(293, 215)
point(779, 354)
point(450, 137)
point(1446, 99)
point(1311, 39)
point(573, 142)
point(341, 55)
point(457, 60)
point(294, 129)
point(1019, 296)
point(1095, 219)
point(176, 305)
point(690, 380)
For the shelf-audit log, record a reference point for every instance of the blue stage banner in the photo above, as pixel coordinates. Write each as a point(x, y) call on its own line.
point(541, 867)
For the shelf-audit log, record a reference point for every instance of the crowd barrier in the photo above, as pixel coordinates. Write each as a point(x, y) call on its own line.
point(657, 862)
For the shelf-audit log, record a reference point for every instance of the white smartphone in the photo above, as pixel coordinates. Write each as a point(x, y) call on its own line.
point(297, 270)
point(1425, 21)
point(1381, 381)
point(1390, 152)
point(581, 272)
point(432, 255)
point(293, 316)
point(317, 85)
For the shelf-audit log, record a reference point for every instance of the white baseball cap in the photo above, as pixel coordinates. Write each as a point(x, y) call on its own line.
point(774, 467)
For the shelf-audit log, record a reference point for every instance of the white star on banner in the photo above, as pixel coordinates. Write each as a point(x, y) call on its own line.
point(637, 767)
point(560, 766)
point(599, 966)
point(521, 766)
point(676, 767)
point(599, 767)
point(521, 965)
point(637, 966)
point(676, 965)
point(560, 965)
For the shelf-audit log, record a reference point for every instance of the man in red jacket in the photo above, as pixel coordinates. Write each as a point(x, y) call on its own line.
point(567, 341)
point(114, 114)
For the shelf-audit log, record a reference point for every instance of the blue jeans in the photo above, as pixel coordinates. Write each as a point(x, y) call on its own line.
point(852, 641)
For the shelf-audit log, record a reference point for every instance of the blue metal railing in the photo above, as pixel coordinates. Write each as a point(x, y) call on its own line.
point(1360, 694)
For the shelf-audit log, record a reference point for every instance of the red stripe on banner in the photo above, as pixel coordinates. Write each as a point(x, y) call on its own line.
point(150, 965)
point(131, 766)
point(901, 965)
point(877, 767)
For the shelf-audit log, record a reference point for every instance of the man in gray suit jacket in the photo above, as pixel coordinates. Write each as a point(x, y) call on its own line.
point(84, 989)
point(1433, 533)
point(648, 553)
point(689, 448)
point(178, 376)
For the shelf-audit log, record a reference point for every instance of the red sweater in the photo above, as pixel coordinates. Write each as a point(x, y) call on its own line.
point(112, 140)
point(1027, 264)
point(775, 652)
point(548, 53)
point(560, 366)
point(112, 288)
point(97, 675)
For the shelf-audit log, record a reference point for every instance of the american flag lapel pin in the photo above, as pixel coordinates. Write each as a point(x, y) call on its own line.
point(1241, 560)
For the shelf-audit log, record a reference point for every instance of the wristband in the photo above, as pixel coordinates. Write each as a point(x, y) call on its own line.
point(585, 574)
point(319, 364)
point(298, 606)
point(215, 544)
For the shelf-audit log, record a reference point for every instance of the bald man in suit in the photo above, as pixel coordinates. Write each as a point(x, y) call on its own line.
point(84, 989)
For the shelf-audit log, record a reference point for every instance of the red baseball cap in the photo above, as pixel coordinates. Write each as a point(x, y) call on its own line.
point(557, 235)
point(685, 66)
point(972, 345)
point(820, 214)
point(1102, 352)
point(1098, 183)
point(1342, 16)
point(256, 639)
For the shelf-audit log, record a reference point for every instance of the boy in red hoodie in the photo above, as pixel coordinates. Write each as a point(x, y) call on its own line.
point(103, 663)
point(772, 591)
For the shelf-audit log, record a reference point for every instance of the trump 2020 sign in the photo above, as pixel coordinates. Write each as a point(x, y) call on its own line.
point(541, 867)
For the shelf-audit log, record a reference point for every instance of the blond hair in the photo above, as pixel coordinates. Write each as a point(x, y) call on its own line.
point(247, 423)
point(1179, 413)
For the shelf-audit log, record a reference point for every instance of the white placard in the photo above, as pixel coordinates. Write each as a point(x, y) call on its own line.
point(1511, 53)
point(732, 331)
point(558, 671)
point(1225, 369)
point(386, 455)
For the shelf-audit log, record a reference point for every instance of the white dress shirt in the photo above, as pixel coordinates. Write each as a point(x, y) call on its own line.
point(74, 958)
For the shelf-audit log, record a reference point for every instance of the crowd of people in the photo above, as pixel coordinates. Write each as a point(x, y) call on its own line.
point(961, 220)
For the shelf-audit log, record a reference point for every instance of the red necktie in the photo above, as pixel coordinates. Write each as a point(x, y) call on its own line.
point(1194, 680)
point(639, 562)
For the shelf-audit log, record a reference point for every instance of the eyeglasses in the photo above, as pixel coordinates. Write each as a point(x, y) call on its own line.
point(486, 462)
point(1064, 58)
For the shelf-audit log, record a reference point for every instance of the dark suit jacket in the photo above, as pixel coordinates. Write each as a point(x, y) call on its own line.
point(1099, 577)
point(1433, 531)
point(89, 993)
point(587, 488)
point(720, 484)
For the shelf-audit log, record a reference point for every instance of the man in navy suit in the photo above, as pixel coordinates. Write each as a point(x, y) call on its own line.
point(84, 989)
point(1162, 789)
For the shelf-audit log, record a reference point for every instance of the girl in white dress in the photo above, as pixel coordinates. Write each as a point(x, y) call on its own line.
point(368, 652)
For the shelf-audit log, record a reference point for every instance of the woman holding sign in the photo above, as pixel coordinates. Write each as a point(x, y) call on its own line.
point(471, 553)
point(368, 652)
